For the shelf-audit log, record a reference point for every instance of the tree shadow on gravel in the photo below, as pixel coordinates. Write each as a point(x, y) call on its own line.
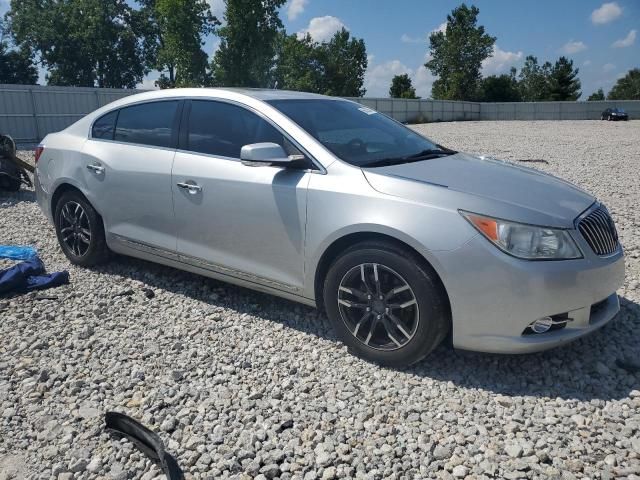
point(584, 370)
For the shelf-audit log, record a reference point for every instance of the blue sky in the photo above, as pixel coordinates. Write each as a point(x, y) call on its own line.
point(603, 38)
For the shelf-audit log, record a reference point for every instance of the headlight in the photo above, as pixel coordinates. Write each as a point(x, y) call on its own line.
point(529, 242)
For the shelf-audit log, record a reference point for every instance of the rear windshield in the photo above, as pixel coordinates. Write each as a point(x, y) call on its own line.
point(352, 132)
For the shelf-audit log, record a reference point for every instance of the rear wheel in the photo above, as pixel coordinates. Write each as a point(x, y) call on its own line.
point(80, 230)
point(384, 305)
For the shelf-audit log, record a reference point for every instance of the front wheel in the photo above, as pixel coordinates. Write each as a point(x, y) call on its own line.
point(384, 305)
point(80, 230)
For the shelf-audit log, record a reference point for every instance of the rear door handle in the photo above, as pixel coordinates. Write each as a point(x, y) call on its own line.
point(192, 187)
point(96, 168)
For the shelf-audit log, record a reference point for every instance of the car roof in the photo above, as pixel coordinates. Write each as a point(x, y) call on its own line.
point(263, 94)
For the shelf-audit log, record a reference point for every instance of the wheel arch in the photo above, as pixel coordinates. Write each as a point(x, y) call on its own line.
point(69, 186)
point(339, 245)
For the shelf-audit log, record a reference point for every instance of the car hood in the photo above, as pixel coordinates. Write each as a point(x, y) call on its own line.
point(489, 186)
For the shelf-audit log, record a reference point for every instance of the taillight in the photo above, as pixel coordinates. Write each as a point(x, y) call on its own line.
point(39, 150)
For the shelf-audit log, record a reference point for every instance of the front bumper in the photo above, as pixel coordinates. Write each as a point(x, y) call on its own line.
point(494, 297)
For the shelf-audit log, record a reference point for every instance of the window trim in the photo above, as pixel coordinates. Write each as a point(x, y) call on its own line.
point(115, 122)
point(184, 127)
point(175, 125)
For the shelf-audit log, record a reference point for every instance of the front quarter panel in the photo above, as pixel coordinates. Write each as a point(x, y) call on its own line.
point(343, 203)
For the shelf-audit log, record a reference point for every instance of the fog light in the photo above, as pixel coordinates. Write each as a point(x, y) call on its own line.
point(541, 325)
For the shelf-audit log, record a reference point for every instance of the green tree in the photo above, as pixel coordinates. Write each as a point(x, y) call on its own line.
point(81, 42)
point(564, 81)
point(595, 96)
point(457, 55)
point(534, 80)
point(502, 88)
point(247, 43)
point(401, 87)
point(16, 65)
point(173, 40)
point(627, 87)
point(345, 63)
point(336, 67)
point(299, 64)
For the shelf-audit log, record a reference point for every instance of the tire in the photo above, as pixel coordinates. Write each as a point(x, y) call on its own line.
point(425, 322)
point(609, 118)
point(75, 216)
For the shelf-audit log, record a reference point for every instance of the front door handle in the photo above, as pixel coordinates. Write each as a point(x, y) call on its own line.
point(192, 187)
point(96, 168)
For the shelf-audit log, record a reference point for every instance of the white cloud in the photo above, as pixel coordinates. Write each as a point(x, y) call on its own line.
point(295, 8)
point(500, 61)
point(423, 81)
point(586, 63)
point(440, 28)
point(573, 47)
point(148, 84)
point(378, 77)
point(608, 12)
point(322, 28)
point(608, 67)
point(626, 41)
point(408, 39)
point(218, 8)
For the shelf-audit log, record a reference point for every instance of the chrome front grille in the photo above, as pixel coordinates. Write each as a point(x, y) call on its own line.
point(599, 231)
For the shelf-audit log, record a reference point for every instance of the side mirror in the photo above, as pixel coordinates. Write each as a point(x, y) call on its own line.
point(267, 153)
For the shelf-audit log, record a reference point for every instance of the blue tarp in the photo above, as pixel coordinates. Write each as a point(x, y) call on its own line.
point(30, 275)
point(17, 252)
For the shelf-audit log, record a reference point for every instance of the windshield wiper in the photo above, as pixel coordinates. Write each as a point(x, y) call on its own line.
point(416, 157)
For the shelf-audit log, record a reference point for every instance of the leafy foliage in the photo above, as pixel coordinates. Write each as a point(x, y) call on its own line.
point(16, 65)
point(457, 55)
point(299, 64)
point(336, 67)
point(597, 95)
point(247, 43)
point(564, 81)
point(173, 32)
point(345, 63)
point(502, 88)
point(534, 80)
point(627, 87)
point(401, 87)
point(81, 42)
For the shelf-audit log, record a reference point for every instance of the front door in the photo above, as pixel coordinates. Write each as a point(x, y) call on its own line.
point(242, 221)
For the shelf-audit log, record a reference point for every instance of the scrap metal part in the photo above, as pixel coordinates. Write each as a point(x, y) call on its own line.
point(148, 442)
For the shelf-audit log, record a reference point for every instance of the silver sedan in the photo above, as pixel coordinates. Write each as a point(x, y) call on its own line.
point(403, 242)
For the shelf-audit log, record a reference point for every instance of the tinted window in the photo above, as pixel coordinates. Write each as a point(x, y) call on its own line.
point(222, 129)
point(353, 132)
point(148, 123)
point(105, 126)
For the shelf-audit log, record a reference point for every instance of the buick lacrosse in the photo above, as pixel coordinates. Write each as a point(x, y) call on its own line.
point(324, 201)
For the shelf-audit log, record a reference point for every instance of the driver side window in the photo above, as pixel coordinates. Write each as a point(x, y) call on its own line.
point(222, 129)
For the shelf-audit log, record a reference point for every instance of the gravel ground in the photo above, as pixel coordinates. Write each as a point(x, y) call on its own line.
point(244, 385)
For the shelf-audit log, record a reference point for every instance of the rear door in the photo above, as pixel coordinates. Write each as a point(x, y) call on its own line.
point(127, 169)
point(243, 221)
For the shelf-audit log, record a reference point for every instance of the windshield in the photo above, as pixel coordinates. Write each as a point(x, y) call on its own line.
point(357, 134)
point(618, 110)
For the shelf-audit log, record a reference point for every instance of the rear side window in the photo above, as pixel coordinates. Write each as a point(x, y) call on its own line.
point(105, 126)
point(147, 124)
point(222, 129)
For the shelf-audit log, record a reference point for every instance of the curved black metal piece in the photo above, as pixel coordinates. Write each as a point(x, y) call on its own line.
point(148, 442)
